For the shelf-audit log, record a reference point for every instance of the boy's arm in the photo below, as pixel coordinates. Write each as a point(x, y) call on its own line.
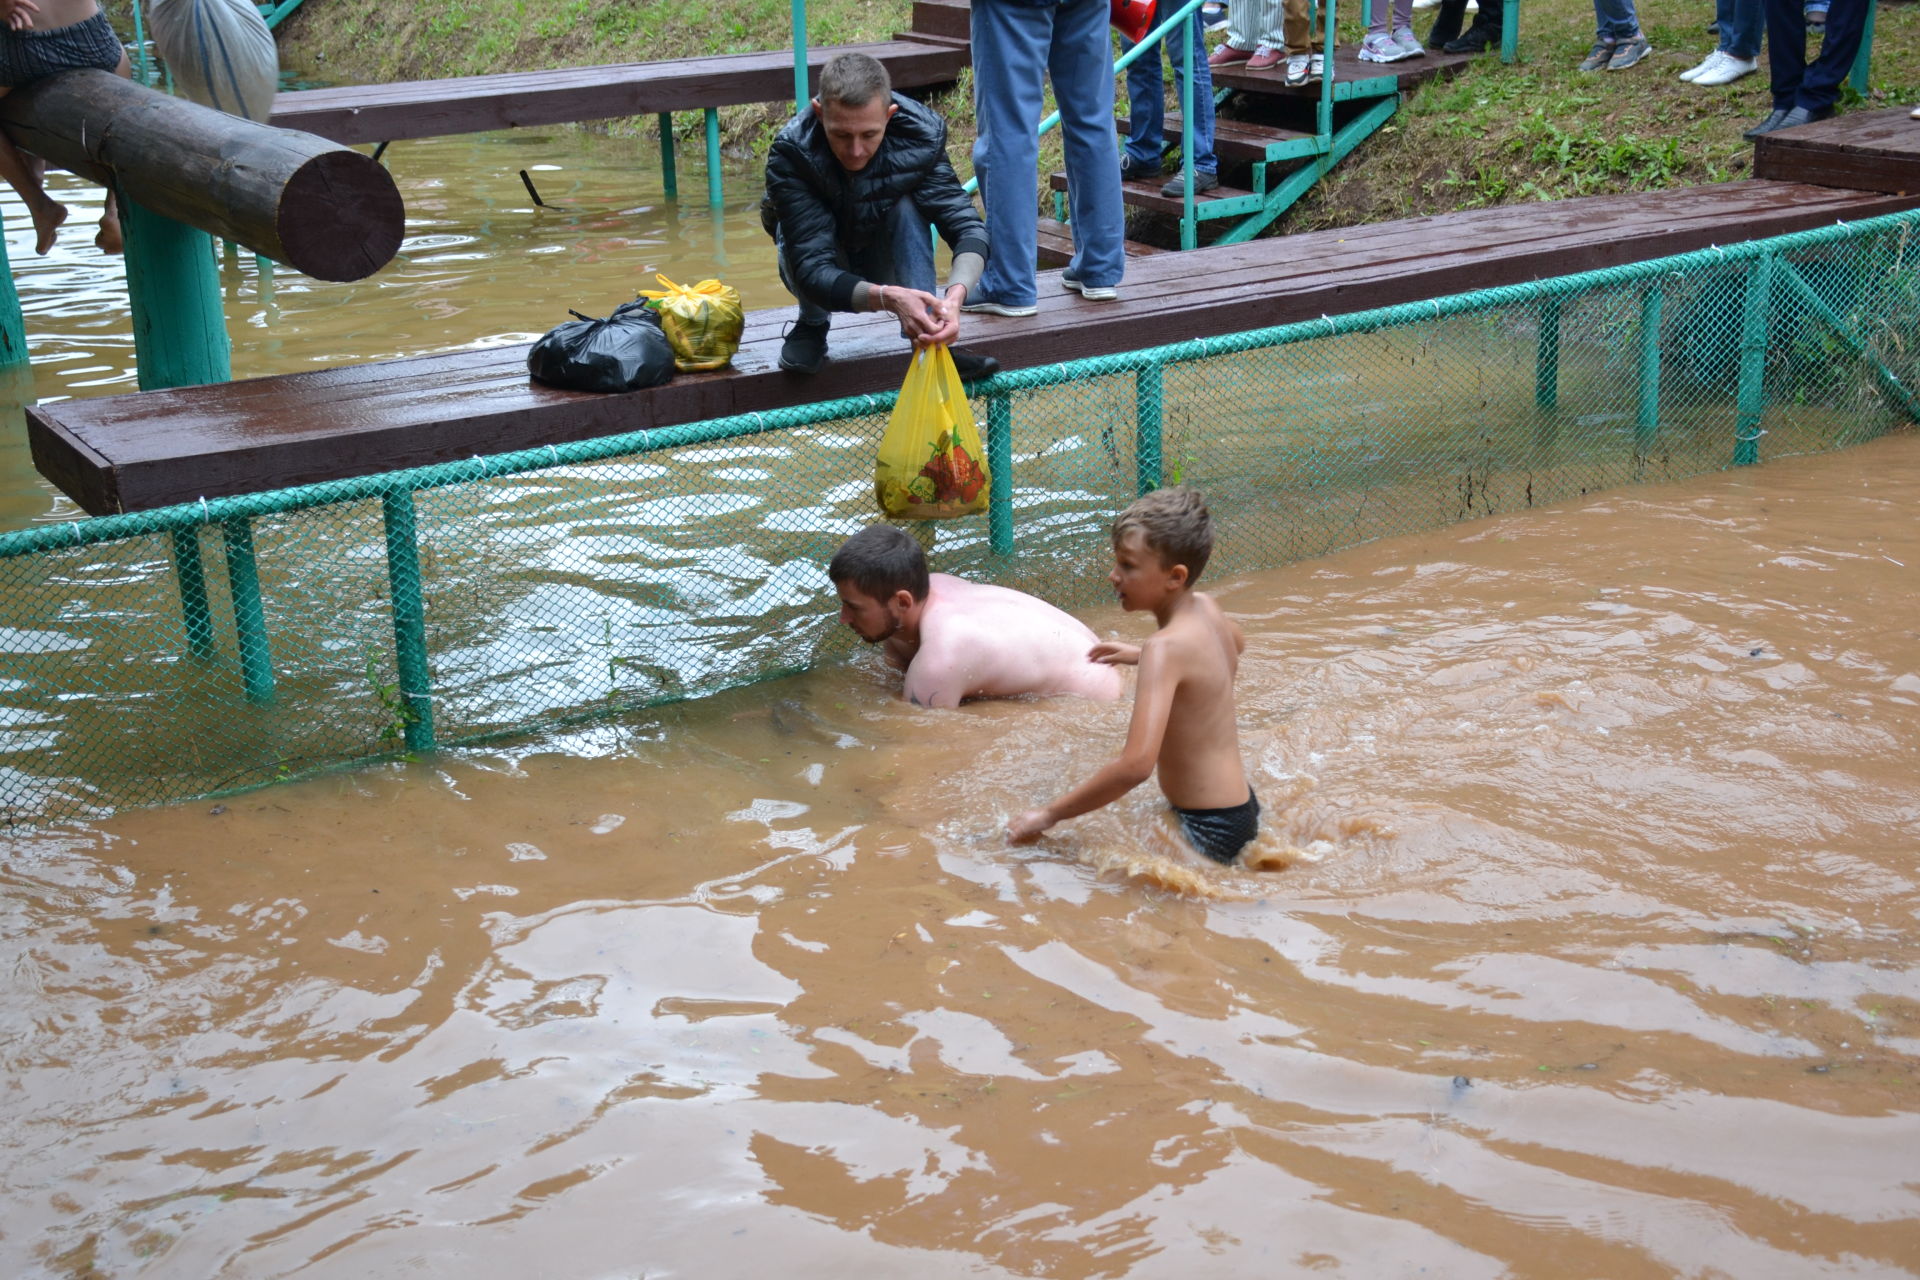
point(1152, 704)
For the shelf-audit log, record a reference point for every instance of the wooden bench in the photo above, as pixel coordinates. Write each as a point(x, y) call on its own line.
point(473, 104)
point(1862, 150)
point(136, 452)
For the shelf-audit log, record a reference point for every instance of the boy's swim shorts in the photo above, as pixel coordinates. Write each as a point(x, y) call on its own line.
point(1221, 833)
point(27, 56)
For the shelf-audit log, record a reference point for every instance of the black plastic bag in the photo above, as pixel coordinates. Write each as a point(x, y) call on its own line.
point(624, 352)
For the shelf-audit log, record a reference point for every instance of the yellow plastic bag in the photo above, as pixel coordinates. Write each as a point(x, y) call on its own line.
point(930, 464)
point(702, 322)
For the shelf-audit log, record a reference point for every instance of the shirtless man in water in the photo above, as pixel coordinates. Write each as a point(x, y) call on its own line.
point(40, 38)
point(957, 639)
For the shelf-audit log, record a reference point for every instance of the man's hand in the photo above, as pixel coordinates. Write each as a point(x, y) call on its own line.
point(1026, 828)
point(1115, 654)
point(919, 313)
point(947, 313)
point(18, 14)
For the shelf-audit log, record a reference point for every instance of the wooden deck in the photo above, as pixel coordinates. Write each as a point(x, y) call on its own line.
point(473, 104)
point(1862, 151)
point(136, 452)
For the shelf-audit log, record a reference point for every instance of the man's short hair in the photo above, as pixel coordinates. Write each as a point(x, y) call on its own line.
point(853, 80)
point(1174, 524)
point(880, 560)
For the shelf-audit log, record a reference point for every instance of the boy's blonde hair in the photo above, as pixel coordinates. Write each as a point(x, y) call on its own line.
point(1174, 524)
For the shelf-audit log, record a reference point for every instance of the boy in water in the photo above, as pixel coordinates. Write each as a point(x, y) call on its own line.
point(40, 38)
point(1183, 719)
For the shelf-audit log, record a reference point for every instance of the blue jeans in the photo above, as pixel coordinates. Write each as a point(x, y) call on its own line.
point(1742, 22)
point(1015, 46)
point(1615, 21)
point(1147, 105)
point(1795, 83)
point(901, 254)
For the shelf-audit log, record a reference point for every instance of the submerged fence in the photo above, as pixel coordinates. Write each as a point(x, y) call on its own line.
point(170, 654)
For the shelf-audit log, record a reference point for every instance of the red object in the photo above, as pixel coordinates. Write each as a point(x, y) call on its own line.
point(1133, 18)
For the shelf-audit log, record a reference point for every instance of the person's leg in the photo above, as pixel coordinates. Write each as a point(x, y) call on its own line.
point(1243, 25)
point(1080, 62)
point(1614, 21)
point(1009, 64)
point(811, 312)
point(907, 249)
point(1741, 24)
point(1296, 27)
point(1786, 50)
point(1820, 87)
point(108, 238)
point(46, 212)
point(1146, 111)
point(1204, 161)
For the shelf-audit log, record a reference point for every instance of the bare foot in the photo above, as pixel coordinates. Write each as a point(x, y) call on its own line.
point(47, 218)
point(108, 237)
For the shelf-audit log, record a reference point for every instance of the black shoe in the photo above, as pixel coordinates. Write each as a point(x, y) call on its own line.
point(805, 347)
point(1772, 122)
point(1132, 171)
point(971, 366)
point(1202, 181)
point(1447, 23)
point(1477, 38)
point(1800, 115)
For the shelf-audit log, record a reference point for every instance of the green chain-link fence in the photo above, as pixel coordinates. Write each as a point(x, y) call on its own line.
point(177, 653)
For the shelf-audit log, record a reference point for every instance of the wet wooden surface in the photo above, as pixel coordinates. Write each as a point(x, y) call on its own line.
point(152, 449)
point(1861, 151)
point(473, 104)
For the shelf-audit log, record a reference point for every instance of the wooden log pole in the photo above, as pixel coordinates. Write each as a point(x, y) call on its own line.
point(314, 205)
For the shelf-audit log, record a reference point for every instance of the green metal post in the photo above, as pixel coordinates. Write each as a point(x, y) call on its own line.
point(249, 617)
point(1863, 60)
point(713, 157)
point(1323, 113)
point(1752, 405)
point(194, 609)
point(1000, 474)
point(800, 94)
point(1509, 30)
point(13, 325)
point(409, 618)
point(1652, 300)
point(668, 178)
point(179, 329)
point(1546, 366)
point(142, 72)
point(1148, 407)
point(1189, 225)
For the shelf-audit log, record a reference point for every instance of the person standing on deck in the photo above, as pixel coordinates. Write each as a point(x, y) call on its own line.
point(1803, 93)
point(1017, 44)
point(852, 184)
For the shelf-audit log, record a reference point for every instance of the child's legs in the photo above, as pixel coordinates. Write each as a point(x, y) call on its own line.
point(1615, 20)
point(1296, 27)
point(24, 177)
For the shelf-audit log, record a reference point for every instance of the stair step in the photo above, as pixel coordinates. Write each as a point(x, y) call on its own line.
point(1236, 142)
point(1146, 195)
point(1352, 77)
point(943, 18)
point(1056, 245)
point(945, 42)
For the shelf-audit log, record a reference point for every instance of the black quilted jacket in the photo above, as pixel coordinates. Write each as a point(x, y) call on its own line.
point(816, 205)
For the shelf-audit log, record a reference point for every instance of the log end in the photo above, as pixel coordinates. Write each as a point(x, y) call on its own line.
point(340, 217)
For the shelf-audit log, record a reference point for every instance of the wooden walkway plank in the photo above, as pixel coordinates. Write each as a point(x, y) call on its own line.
point(1861, 150)
point(354, 114)
point(139, 451)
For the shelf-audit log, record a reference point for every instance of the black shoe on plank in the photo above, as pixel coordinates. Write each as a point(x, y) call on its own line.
point(805, 347)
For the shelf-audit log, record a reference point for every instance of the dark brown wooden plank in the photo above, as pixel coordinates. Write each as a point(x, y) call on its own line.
point(1348, 70)
point(951, 18)
point(1056, 245)
point(1862, 151)
point(1235, 142)
point(139, 451)
point(473, 104)
point(1144, 194)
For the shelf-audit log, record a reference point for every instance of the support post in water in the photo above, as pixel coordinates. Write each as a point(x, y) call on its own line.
point(179, 327)
point(1000, 474)
point(1148, 406)
point(1652, 302)
point(405, 594)
point(714, 197)
point(249, 616)
point(1753, 362)
point(668, 178)
point(195, 612)
point(13, 325)
point(1546, 364)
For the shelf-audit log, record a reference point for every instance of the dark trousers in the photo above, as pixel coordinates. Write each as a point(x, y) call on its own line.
point(1795, 82)
point(899, 253)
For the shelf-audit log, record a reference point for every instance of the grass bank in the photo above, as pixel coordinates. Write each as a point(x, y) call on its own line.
point(1538, 130)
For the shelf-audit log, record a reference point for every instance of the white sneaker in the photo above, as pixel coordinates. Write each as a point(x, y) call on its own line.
point(1426, 4)
point(1729, 70)
point(1705, 65)
point(1091, 292)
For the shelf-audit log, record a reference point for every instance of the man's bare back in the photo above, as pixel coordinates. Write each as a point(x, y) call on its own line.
point(983, 641)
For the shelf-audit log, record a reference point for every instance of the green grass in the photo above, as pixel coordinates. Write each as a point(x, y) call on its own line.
point(1537, 130)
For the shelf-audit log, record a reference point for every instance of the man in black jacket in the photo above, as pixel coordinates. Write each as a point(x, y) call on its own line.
point(852, 184)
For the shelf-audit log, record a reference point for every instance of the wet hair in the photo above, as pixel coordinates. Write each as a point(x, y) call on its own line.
point(880, 560)
point(853, 80)
point(1174, 524)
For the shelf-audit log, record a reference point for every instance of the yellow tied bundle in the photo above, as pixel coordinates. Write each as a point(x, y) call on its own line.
point(702, 322)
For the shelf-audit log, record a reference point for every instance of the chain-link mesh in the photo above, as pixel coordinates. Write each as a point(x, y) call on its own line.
point(566, 583)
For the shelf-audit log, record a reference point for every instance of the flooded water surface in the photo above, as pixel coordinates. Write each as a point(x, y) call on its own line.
point(1592, 956)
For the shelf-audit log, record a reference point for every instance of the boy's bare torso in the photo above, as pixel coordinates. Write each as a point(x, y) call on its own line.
point(1199, 650)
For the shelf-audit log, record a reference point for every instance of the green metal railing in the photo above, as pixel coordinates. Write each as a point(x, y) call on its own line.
point(449, 604)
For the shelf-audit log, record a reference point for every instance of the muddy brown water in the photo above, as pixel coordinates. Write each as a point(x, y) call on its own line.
point(1593, 956)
